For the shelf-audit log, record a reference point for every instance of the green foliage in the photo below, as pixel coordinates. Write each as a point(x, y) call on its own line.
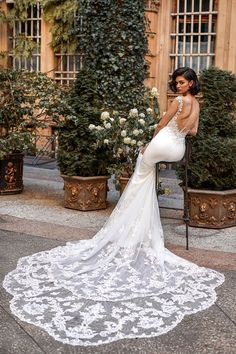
point(114, 44)
point(213, 164)
point(61, 15)
point(19, 11)
point(124, 134)
point(23, 44)
point(28, 101)
point(78, 154)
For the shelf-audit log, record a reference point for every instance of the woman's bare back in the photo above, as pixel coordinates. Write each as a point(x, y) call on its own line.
point(188, 119)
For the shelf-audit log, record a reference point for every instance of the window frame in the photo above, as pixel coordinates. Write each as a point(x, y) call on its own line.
point(197, 58)
point(31, 31)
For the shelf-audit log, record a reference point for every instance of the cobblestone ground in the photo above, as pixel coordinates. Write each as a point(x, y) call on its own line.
point(37, 220)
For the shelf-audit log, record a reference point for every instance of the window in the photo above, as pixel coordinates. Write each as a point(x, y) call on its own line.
point(69, 64)
point(67, 67)
point(193, 33)
point(29, 29)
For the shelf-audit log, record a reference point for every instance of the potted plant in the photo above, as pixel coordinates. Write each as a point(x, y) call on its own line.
point(28, 101)
point(124, 133)
point(117, 58)
point(212, 169)
point(82, 163)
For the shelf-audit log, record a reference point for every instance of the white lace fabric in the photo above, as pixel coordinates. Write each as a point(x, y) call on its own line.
point(123, 283)
point(173, 125)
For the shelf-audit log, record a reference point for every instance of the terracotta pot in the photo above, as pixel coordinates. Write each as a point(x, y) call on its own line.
point(85, 193)
point(212, 209)
point(11, 174)
point(123, 183)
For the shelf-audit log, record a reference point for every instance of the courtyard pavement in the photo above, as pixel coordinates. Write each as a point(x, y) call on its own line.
point(36, 220)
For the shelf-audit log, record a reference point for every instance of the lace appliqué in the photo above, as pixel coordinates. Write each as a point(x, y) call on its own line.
point(173, 122)
point(122, 283)
point(133, 295)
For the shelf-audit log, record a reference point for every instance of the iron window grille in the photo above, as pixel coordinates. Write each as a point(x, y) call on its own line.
point(69, 64)
point(29, 29)
point(193, 34)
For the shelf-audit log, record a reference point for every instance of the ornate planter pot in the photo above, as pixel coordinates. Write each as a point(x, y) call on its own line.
point(212, 209)
point(11, 174)
point(85, 193)
point(123, 181)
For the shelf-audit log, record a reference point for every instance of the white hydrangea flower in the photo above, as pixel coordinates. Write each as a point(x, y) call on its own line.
point(154, 92)
point(107, 125)
point(122, 120)
point(140, 131)
point(112, 119)
point(133, 142)
point(105, 115)
point(123, 133)
point(119, 151)
point(92, 126)
point(98, 127)
point(149, 110)
point(136, 132)
point(106, 141)
point(127, 140)
point(142, 115)
point(140, 143)
point(142, 121)
point(133, 112)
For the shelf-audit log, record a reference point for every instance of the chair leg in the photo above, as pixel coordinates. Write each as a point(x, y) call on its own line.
point(186, 208)
point(186, 217)
point(186, 225)
point(157, 178)
point(186, 204)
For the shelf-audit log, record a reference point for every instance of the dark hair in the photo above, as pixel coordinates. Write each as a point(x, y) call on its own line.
point(190, 75)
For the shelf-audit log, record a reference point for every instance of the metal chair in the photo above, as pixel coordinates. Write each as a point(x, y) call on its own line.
point(184, 162)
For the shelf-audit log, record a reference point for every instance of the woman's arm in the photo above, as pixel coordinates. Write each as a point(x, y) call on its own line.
point(167, 117)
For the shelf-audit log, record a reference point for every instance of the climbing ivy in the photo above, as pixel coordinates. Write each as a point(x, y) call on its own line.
point(62, 16)
point(59, 13)
point(114, 44)
point(18, 12)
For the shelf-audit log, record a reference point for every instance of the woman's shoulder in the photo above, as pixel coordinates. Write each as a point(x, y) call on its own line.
point(184, 99)
point(189, 100)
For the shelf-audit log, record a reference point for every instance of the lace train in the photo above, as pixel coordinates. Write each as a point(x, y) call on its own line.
point(123, 283)
point(131, 296)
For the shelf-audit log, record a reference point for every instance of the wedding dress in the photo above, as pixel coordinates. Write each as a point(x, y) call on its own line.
point(123, 283)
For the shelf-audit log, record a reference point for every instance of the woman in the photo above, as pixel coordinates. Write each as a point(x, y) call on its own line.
point(123, 283)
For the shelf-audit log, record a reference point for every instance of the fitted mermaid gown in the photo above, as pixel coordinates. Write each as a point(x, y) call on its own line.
point(123, 283)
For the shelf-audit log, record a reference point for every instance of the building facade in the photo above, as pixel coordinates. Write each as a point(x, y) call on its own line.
point(195, 33)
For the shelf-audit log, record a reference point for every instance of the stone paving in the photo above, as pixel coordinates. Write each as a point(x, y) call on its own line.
point(37, 220)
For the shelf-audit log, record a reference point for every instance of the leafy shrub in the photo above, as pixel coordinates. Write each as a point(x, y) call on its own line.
point(213, 163)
